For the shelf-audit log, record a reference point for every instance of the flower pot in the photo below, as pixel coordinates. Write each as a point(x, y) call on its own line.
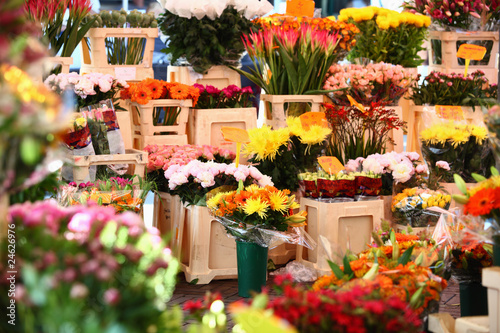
point(473, 299)
point(276, 107)
point(443, 47)
point(252, 267)
point(368, 186)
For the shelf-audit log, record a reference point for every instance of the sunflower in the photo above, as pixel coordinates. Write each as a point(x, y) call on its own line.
point(480, 203)
point(155, 86)
point(256, 206)
point(141, 94)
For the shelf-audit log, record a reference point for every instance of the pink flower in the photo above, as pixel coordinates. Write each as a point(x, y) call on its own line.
point(79, 291)
point(112, 296)
point(421, 168)
point(80, 223)
point(443, 165)
point(413, 156)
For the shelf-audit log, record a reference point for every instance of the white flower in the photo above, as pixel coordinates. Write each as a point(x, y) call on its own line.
point(206, 179)
point(239, 175)
point(177, 179)
point(413, 156)
point(402, 172)
point(265, 181)
point(104, 85)
point(373, 165)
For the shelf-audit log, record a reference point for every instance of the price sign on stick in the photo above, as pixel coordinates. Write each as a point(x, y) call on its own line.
point(309, 119)
point(356, 104)
point(449, 112)
point(330, 164)
point(237, 135)
point(300, 8)
point(470, 52)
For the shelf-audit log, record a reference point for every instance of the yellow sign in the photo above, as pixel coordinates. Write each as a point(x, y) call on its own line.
point(300, 8)
point(450, 112)
point(356, 104)
point(470, 52)
point(330, 164)
point(309, 119)
point(237, 135)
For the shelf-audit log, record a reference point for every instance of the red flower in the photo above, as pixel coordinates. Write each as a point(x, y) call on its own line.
point(193, 306)
point(481, 203)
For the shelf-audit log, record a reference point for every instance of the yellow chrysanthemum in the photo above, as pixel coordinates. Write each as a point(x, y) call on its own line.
point(382, 23)
point(479, 132)
point(252, 188)
point(278, 201)
point(294, 125)
point(315, 135)
point(213, 202)
point(256, 206)
point(265, 142)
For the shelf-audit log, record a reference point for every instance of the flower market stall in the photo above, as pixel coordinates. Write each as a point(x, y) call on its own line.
point(364, 200)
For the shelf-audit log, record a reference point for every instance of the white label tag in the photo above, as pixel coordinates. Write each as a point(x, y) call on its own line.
point(125, 73)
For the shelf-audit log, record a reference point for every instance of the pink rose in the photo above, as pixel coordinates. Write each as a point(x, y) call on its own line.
point(443, 165)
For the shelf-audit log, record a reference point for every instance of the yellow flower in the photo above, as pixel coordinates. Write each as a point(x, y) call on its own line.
point(214, 201)
point(256, 206)
point(295, 125)
point(479, 132)
point(315, 135)
point(278, 201)
point(80, 122)
point(382, 23)
point(265, 142)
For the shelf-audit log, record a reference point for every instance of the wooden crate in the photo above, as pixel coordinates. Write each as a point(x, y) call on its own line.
point(217, 76)
point(65, 62)
point(95, 60)
point(491, 280)
point(346, 225)
point(449, 60)
point(166, 207)
point(143, 130)
point(203, 246)
point(416, 123)
point(282, 254)
point(132, 157)
point(396, 135)
point(274, 107)
point(204, 126)
point(405, 102)
point(387, 207)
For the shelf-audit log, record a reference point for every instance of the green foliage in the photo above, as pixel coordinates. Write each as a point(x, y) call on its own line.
point(205, 43)
point(47, 187)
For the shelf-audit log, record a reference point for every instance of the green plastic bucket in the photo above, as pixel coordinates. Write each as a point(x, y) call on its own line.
point(252, 267)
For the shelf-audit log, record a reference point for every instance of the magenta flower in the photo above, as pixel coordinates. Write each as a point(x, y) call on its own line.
point(212, 90)
point(112, 296)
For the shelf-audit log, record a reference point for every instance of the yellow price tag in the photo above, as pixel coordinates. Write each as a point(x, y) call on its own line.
point(356, 104)
point(237, 135)
point(300, 8)
point(449, 112)
point(330, 164)
point(470, 52)
point(309, 119)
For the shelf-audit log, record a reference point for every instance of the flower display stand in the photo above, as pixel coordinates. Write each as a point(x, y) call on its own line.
point(282, 254)
point(217, 76)
point(445, 323)
point(204, 126)
point(203, 246)
point(346, 225)
point(449, 61)
point(491, 280)
point(132, 157)
point(123, 118)
point(165, 208)
point(143, 130)
point(387, 207)
point(95, 60)
point(65, 62)
point(274, 107)
point(417, 122)
point(405, 102)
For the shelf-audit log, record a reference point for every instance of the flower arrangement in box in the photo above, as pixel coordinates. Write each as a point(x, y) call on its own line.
point(463, 147)
point(123, 50)
point(282, 153)
point(247, 214)
point(366, 84)
point(386, 35)
point(454, 89)
point(194, 180)
point(89, 88)
point(30, 119)
point(160, 158)
point(324, 185)
point(359, 133)
point(409, 206)
point(230, 97)
point(86, 258)
point(50, 15)
point(293, 59)
point(464, 15)
point(209, 34)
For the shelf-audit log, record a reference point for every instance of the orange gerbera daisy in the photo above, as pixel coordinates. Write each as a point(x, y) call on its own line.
point(481, 203)
point(126, 93)
point(179, 91)
point(155, 86)
point(141, 94)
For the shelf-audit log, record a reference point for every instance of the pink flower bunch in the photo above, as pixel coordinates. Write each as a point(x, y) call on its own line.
point(366, 84)
point(89, 88)
point(195, 179)
point(230, 97)
point(162, 157)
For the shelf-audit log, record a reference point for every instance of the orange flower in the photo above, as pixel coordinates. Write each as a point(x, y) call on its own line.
point(141, 94)
point(179, 91)
point(405, 237)
point(481, 203)
point(155, 86)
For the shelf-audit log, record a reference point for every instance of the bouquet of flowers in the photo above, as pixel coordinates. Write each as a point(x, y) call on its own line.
point(257, 214)
point(462, 147)
point(209, 33)
point(120, 193)
point(409, 207)
point(453, 14)
point(389, 269)
point(89, 88)
point(30, 119)
point(454, 89)
point(293, 59)
point(123, 50)
point(50, 15)
point(387, 35)
point(86, 259)
point(230, 97)
point(160, 158)
point(359, 133)
point(282, 153)
point(362, 306)
point(194, 180)
point(367, 84)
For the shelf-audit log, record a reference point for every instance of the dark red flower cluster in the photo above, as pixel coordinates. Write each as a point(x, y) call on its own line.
point(197, 308)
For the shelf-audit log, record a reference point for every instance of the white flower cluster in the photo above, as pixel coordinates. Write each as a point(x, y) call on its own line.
point(214, 8)
point(86, 85)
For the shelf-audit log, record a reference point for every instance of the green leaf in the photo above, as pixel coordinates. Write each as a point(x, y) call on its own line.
point(392, 237)
point(460, 183)
point(494, 171)
point(477, 177)
point(336, 269)
point(461, 199)
point(405, 258)
point(347, 266)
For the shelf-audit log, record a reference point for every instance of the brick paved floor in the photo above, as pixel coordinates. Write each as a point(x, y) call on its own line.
point(450, 298)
